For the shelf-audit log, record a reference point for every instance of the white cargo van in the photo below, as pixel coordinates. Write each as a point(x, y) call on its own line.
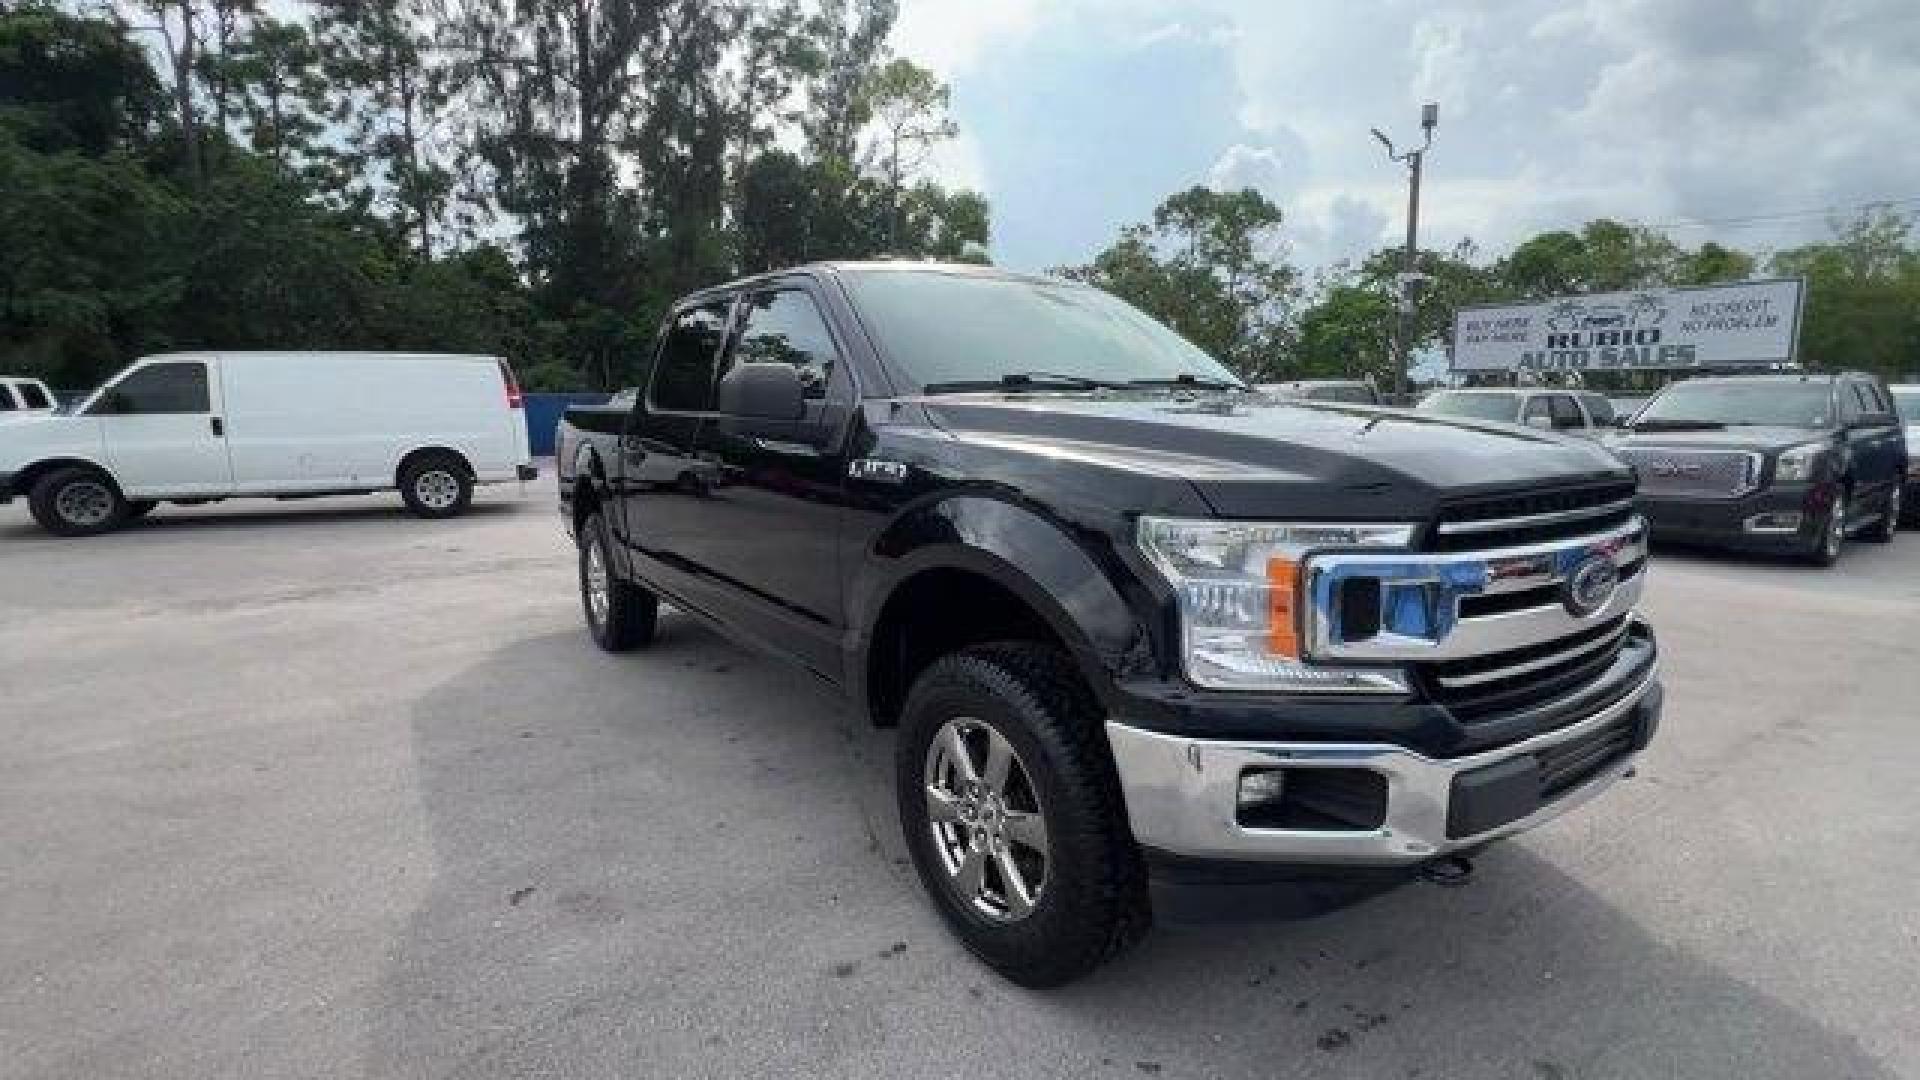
point(24, 397)
point(200, 427)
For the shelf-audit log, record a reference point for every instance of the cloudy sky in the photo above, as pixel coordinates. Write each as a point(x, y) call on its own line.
point(1734, 120)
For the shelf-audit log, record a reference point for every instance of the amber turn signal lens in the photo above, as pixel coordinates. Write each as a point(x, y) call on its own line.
point(1283, 610)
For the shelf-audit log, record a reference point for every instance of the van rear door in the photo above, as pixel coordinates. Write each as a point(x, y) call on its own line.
point(164, 430)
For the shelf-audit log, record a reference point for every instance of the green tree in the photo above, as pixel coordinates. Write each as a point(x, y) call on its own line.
point(1863, 295)
point(909, 105)
point(389, 88)
point(1344, 334)
point(1210, 266)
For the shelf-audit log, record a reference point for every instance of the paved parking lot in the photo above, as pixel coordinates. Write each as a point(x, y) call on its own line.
point(317, 789)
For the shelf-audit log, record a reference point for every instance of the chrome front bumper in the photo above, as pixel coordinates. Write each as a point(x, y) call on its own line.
point(1182, 793)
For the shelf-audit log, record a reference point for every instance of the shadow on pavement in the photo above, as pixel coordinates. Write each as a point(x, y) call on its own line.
point(684, 862)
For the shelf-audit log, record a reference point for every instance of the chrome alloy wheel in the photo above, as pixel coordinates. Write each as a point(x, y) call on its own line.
point(84, 503)
point(988, 827)
point(1837, 526)
point(437, 489)
point(599, 594)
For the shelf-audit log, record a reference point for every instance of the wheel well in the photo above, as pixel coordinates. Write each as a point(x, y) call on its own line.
point(932, 614)
point(585, 503)
point(425, 452)
point(24, 480)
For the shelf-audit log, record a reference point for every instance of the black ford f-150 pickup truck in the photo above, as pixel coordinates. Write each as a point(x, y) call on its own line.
point(1149, 638)
point(1792, 464)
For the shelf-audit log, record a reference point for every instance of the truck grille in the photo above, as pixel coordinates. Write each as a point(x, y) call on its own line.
point(1713, 474)
point(1488, 687)
point(1532, 517)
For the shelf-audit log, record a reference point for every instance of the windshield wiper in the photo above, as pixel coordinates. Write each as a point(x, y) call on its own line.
point(1022, 380)
point(1188, 378)
point(1679, 425)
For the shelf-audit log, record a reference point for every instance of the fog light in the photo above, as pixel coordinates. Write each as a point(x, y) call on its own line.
point(1262, 786)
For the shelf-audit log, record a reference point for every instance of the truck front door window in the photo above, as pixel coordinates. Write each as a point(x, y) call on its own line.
point(784, 327)
point(684, 377)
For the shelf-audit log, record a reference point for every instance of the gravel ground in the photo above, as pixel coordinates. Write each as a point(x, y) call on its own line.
point(317, 789)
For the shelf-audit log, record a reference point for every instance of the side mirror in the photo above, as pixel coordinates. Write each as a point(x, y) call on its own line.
point(761, 399)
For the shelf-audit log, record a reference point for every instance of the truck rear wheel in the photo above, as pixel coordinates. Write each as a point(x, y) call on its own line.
point(77, 501)
point(621, 616)
point(1013, 813)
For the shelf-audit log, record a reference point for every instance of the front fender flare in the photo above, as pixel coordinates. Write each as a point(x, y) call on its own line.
point(1076, 589)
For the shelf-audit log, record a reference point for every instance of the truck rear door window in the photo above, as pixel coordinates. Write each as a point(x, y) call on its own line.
point(1566, 412)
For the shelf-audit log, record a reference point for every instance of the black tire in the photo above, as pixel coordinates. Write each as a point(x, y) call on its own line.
point(436, 486)
point(1891, 510)
point(77, 501)
point(1831, 537)
point(140, 508)
point(1091, 904)
point(631, 614)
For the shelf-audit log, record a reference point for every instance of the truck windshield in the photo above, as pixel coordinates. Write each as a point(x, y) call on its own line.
point(966, 330)
point(1780, 404)
point(1907, 404)
point(1501, 407)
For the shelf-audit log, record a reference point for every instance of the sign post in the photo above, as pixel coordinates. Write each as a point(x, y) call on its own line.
point(1745, 324)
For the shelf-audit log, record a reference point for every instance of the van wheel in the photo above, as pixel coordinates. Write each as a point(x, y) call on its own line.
point(77, 501)
point(436, 486)
point(621, 615)
point(1013, 813)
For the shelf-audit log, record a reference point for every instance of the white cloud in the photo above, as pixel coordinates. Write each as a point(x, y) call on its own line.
point(1552, 111)
point(952, 36)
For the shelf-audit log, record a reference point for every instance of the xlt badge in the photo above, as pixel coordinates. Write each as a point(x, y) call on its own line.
point(887, 472)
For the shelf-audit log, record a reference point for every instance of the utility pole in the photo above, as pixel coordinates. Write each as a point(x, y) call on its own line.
point(1410, 277)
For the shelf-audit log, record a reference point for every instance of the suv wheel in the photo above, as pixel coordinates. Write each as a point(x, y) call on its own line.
point(621, 616)
point(436, 486)
point(77, 502)
point(1883, 530)
point(1833, 532)
point(1013, 815)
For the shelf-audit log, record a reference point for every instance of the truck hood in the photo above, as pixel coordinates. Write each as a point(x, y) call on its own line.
point(1256, 457)
point(1731, 438)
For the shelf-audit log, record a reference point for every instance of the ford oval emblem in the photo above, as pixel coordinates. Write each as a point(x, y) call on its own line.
point(1591, 585)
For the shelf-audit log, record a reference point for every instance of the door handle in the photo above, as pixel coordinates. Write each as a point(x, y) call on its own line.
point(219, 427)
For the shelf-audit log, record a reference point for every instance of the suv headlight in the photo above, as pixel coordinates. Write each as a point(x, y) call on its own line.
point(1242, 602)
point(1799, 463)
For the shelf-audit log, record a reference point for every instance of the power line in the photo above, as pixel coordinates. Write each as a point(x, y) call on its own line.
point(1784, 216)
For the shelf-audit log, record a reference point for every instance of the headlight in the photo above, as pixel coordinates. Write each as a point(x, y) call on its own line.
point(1799, 463)
point(1242, 606)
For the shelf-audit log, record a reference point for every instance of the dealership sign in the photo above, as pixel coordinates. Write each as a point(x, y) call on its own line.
point(1747, 324)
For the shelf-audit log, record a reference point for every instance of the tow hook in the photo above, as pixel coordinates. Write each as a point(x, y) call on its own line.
point(1448, 871)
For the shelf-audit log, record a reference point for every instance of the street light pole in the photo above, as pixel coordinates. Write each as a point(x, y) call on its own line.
point(1410, 275)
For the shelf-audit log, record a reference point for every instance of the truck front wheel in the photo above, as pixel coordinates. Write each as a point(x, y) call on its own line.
point(621, 616)
point(1013, 814)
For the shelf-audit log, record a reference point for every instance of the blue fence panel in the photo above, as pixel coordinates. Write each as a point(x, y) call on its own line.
point(543, 415)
